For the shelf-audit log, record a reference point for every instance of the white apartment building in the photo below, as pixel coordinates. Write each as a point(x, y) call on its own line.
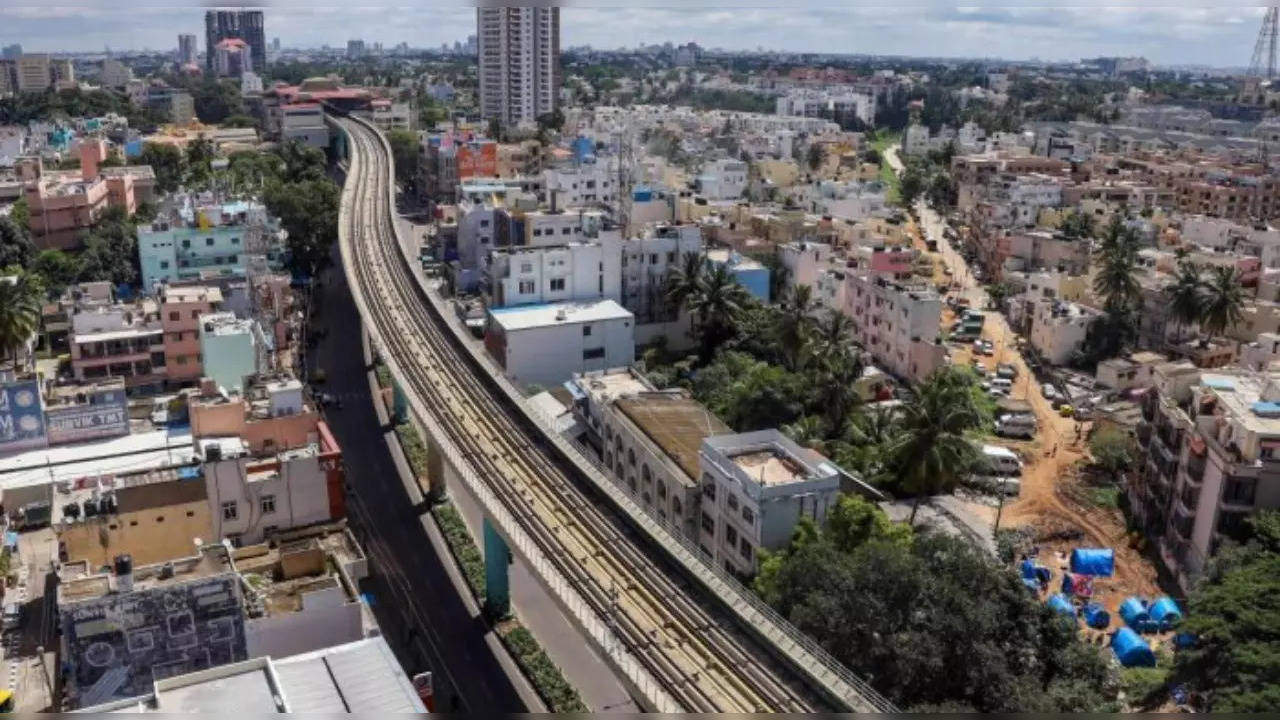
point(1260, 241)
point(115, 74)
point(805, 262)
point(723, 179)
point(755, 488)
point(1017, 200)
point(1259, 354)
point(648, 439)
point(250, 83)
point(519, 62)
point(1209, 467)
point(555, 273)
point(546, 344)
point(647, 261)
point(898, 325)
point(1058, 329)
point(590, 183)
point(836, 102)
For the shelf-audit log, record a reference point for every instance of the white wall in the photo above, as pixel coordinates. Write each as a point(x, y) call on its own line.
point(300, 489)
point(549, 355)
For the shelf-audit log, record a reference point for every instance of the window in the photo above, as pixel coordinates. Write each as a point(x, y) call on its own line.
point(268, 504)
point(631, 457)
point(195, 314)
point(671, 257)
point(567, 231)
point(208, 242)
point(747, 515)
point(745, 549)
point(586, 331)
point(708, 523)
point(730, 536)
point(186, 244)
point(653, 258)
point(676, 508)
point(159, 518)
point(191, 513)
point(233, 259)
point(733, 501)
point(164, 264)
point(526, 287)
point(484, 223)
point(1239, 490)
point(557, 284)
point(175, 316)
point(662, 488)
point(526, 267)
point(235, 241)
point(708, 487)
point(593, 354)
point(230, 510)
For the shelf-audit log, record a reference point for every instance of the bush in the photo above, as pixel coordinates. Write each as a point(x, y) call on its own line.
point(462, 547)
point(547, 679)
point(1145, 688)
point(415, 451)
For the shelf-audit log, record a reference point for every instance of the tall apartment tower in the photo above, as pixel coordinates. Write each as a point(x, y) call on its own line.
point(519, 60)
point(187, 50)
point(243, 24)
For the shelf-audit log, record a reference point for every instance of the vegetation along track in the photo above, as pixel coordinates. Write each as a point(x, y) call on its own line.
point(699, 663)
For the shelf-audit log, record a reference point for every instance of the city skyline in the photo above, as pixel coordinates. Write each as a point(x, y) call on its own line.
point(1219, 36)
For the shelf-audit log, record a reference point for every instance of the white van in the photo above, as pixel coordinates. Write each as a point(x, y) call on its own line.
point(12, 616)
point(1000, 383)
point(1016, 425)
point(1001, 461)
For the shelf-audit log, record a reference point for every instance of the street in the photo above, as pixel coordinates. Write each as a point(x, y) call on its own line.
point(422, 616)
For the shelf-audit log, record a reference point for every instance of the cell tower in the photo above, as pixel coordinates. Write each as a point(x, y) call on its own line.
point(1263, 64)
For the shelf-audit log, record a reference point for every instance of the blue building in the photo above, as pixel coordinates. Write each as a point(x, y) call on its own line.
point(750, 274)
point(201, 239)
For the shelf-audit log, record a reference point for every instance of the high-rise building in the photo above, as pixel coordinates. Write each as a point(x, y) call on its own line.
point(519, 59)
point(275, 44)
point(188, 52)
point(247, 25)
point(35, 72)
point(355, 48)
point(12, 52)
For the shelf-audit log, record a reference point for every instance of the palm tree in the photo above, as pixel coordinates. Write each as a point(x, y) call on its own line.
point(1222, 301)
point(841, 369)
point(1186, 296)
point(932, 450)
point(1116, 281)
point(794, 324)
point(717, 307)
point(20, 298)
point(808, 431)
point(833, 330)
point(685, 283)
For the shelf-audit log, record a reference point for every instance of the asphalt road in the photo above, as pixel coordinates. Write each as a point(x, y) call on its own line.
point(424, 619)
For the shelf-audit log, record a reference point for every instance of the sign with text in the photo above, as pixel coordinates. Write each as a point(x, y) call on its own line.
point(21, 417)
point(105, 415)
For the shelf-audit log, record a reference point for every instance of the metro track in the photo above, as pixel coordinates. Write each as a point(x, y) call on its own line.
point(686, 649)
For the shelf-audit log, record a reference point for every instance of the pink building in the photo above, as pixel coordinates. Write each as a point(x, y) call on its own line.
point(180, 311)
point(119, 341)
point(63, 204)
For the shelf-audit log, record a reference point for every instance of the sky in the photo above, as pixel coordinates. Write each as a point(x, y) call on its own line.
point(1221, 35)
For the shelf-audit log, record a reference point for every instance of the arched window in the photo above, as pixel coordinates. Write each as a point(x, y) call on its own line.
point(644, 473)
point(662, 491)
point(676, 508)
point(631, 457)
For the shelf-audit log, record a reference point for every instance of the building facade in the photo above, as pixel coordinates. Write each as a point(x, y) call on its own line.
point(247, 25)
point(519, 62)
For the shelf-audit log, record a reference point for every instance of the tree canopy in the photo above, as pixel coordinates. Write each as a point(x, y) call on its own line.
point(930, 620)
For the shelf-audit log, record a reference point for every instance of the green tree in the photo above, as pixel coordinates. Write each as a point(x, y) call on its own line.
point(215, 100)
point(167, 162)
point(998, 293)
point(685, 282)
point(308, 211)
point(20, 301)
point(1113, 451)
point(240, 121)
point(934, 451)
point(404, 152)
point(58, 269)
point(302, 163)
point(20, 214)
point(717, 308)
point(854, 521)
point(15, 244)
point(795, 324)
point(199, 161)
point(1116, 280)
point(1186, 296)
point(816, 156)
point(750, 394)
point(1234, 614)
point(1077, 225)
point(912, 185)
point(1223, 300)
point(111, 250)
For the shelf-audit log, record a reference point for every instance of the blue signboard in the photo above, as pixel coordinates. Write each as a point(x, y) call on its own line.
point(21, 417)
point(105, 415)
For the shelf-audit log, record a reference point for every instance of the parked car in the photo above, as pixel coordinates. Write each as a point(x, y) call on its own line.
point(1005, 370)
point(1016, 425)
point(1049, 391)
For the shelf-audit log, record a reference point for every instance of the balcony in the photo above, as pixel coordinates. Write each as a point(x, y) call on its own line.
point(1195, 469)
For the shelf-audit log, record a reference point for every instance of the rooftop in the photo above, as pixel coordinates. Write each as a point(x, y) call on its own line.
point(767, 458)
point(676, 423)
point(362, 676)
point(286, 576)
point(81, 582)
point(125, 454)
point(1249, 398)
point(191, 294)
point(524, 317)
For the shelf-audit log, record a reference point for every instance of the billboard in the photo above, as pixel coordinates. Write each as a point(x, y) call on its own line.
point(105, 415)
point(478, 159)
point(21, 416)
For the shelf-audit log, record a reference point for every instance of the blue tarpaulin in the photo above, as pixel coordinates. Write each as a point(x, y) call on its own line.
point(1096, 617)
point(1028, 569)
point(1093, 561)
point(1165, 613)
point(1060, 604)
point(1131, 650)
point(1134, 613)
point(1032, 584)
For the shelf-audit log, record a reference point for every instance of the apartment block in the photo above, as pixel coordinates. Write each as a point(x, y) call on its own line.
point(181, 308)
point(34, 72)
point(755, 487)
point(519, 62)
point(554, 273)
point(230, 350)
point(200, 237)
point(897, 324)
point(120, 341)
point(1058, 329)
point(1213, 458)
point(62, 204)
point(722, 180)
point(545, 344)
point(648, 440)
